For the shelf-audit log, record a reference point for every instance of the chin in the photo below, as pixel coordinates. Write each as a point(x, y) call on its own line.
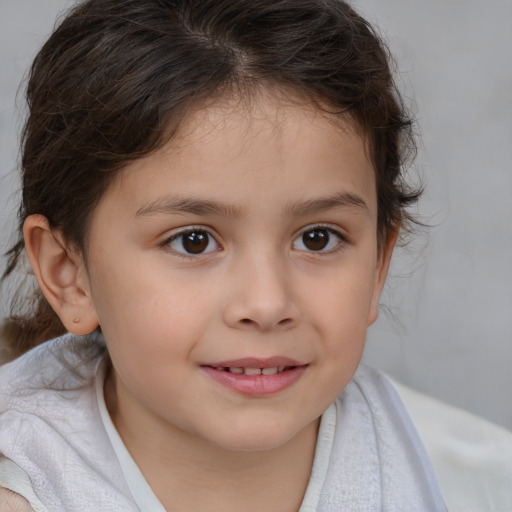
point(264, 436)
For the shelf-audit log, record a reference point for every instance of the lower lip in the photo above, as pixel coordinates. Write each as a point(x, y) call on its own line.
point(256, 385)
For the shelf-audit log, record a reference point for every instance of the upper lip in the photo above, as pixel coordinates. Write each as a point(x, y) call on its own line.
point(256, 362)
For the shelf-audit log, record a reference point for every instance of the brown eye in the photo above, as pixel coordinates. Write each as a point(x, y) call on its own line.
point(318, 239)
point(193, 242)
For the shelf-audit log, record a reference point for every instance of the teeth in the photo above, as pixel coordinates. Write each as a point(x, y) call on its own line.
point(252, 371)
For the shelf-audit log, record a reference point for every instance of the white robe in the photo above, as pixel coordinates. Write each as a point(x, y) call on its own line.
point(62, 452)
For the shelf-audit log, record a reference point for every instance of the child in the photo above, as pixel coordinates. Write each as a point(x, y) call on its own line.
point(212, 191)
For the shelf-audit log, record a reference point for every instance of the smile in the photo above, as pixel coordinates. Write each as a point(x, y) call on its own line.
point(254, 371)
point(256, 378)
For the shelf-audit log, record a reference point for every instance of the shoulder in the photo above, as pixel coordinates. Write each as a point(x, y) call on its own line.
point(48, 401)
point(472, 458)
point(374, 434)
point(13, 502)
point(51, 430)
point(63, 364)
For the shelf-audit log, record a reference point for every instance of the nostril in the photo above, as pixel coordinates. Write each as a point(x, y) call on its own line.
point(263, 321)
point(282, 324)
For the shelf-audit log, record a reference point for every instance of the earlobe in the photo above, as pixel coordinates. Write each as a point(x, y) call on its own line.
point(381, 272)
point(61, 275)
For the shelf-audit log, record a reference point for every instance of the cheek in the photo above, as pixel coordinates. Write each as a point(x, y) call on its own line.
point(339, 312)
point(340, 298)
point(150, 341)
point(152, 317)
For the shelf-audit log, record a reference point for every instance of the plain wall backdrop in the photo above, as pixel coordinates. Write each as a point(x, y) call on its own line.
point(449, 329)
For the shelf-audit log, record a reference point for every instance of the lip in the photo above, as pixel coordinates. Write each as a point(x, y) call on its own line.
point(256, 385)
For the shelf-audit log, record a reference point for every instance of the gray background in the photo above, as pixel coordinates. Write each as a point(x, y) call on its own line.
point(448, 327)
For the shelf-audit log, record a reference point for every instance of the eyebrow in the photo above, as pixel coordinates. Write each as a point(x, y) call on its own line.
point(205, 207)
point(343, 200)
point(183, 205)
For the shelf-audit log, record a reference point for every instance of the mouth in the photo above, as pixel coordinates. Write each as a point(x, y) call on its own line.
point(254, 371)
point(256, 377)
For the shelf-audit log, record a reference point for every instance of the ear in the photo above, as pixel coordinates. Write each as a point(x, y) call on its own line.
point(61, 274)
point(381, 272)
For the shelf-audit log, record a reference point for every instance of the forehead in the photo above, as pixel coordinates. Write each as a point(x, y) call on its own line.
point(278, 150)
point(263, 113)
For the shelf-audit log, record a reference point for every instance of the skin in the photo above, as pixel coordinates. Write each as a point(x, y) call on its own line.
point(274, 171)
point(12, 502)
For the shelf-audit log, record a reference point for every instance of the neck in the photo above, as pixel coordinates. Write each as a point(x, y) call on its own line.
point(193, 474)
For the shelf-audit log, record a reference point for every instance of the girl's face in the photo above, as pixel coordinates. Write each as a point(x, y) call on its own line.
point(234, 274)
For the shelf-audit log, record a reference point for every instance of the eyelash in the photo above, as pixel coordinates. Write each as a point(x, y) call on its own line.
point(341, 240)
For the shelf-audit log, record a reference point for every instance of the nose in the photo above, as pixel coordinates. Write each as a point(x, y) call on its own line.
point(261, 297)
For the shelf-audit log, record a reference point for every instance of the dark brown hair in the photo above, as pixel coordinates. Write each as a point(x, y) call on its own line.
point(115, 79)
